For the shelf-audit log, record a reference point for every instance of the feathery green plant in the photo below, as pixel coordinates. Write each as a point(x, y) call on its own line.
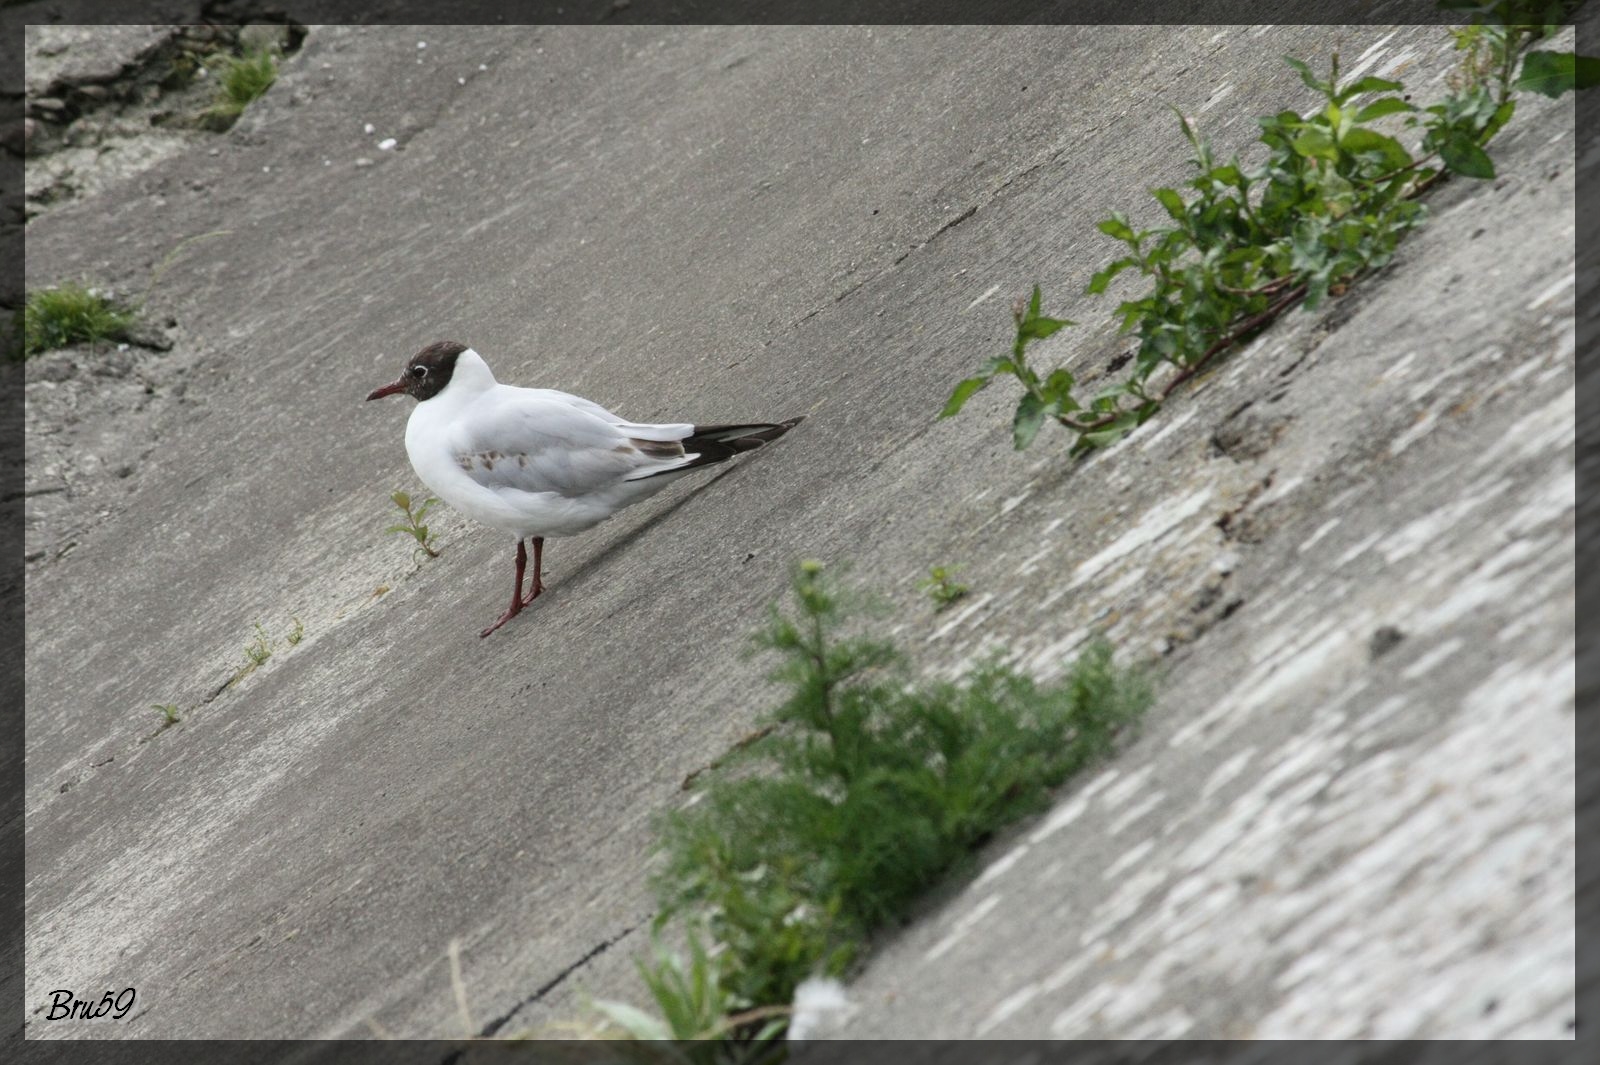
point(866, 790)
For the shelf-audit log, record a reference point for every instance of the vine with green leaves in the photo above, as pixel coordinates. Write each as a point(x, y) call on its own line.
point(1332, 201)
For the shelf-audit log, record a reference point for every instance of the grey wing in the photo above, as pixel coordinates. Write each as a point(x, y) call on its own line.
point(588, 406)
point(532, 443)
point(640, 430)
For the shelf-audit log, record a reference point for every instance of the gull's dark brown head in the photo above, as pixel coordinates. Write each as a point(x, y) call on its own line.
point(426, 373)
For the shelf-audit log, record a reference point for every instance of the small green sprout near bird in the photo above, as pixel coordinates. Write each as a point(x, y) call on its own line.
point(413, 526)
point(941, 586)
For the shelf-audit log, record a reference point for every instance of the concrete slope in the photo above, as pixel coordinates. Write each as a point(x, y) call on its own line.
point(720, 224)
point(1352, 814)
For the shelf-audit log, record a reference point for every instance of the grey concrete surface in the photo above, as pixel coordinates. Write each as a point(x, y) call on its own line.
point(726, 223)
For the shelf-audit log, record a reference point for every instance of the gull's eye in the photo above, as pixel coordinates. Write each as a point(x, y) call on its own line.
point(419, 372)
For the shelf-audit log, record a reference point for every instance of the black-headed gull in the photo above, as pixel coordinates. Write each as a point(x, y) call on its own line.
point(535, 462)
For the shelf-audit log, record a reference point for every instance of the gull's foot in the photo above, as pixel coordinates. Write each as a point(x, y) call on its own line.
point(533, 593)
point(516, 608)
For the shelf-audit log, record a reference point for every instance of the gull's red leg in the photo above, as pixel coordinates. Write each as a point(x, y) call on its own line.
point(538, 585)
point(516, 591)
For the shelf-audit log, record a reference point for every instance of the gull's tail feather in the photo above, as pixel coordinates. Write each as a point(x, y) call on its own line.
point(717, 443)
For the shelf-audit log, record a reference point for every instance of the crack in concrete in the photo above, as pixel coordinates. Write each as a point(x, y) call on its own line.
point(935, 235)
point(493, 1026)
point(956, 221)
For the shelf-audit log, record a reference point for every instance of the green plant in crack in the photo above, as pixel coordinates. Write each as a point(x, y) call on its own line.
point(240, 81)
point(1241, 245)
point(865, 789)
point(72, 313)
point(412, 525)
point(1043, 397)
point(256, 654)
point(75, 313)
point(168, 712)
point(259, 649)
point(694, 1008)
point(942, 587)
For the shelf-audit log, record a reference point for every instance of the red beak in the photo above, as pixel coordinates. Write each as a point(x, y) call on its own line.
point(388, 390)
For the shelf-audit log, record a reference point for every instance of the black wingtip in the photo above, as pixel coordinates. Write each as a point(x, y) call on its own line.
point(763, 435)
point(718, 443)
point(738, 437)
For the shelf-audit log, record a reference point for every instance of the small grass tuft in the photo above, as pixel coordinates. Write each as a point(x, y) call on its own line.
point(297, 633)
point(168, 712)
point(256, 653)
point(71, 314)
point(941, 586)
point(240, 81)
point(74, 313)
point(260, 649)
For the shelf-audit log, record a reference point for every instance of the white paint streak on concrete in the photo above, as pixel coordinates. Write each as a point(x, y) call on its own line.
point(1137, 811)
point(1311, 652)
point(1216, 98)
point(1356, 550)
point(1432, 659)
point(1399, 367)
point(1167, 430)
point(1225, 773)
point(1048, 661)
point(1064, 815)
point(1114, 591)
point(1426, 531)
point(1315, 538)
point(1554, 290)
point(1418, 429)
point(1281, 489)
point(961, 615)
point(963, 924)
point(1127, 787)
point(1131, 858)
point(1151, 526)
point(987, 293)
point(1009, 1005)
point(1014, 502)
point(1000, 866)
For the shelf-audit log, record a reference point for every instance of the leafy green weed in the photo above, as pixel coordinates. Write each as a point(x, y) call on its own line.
point(942, 587)
point(412, 526)
point(1334, 198)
